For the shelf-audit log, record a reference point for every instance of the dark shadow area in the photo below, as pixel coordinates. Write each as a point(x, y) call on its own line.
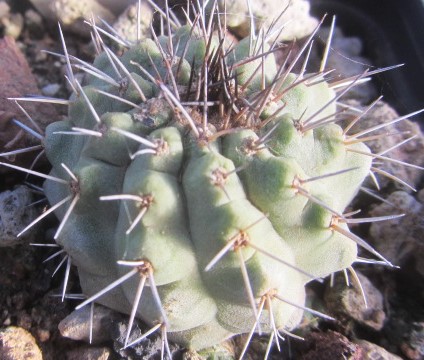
point(393, 33)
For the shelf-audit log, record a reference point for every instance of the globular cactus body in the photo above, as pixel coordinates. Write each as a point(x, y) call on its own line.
point(206, 185)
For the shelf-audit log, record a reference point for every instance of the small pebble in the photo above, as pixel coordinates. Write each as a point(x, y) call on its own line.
point(13, 24)
point(4, 9)
point(78, 76)
point(7, 321)
point(34, 23)
point(43, 335)
point(15, 215)
point(18, 344)
point(89, 353)
point(50, 90)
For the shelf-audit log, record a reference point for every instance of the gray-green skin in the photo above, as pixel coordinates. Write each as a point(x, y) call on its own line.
point(192, 213)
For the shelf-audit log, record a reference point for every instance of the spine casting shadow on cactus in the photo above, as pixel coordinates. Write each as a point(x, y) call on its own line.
point(199, 185)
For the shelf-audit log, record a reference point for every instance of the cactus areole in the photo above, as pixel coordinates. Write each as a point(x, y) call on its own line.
point(203, 184)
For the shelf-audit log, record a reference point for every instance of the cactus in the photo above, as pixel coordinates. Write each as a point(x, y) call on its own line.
point(200, 186)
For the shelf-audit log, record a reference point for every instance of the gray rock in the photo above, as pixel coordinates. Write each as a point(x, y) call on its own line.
point(126, 24)
point(296, 19)
point(348, 303)
point(72, 13)
point(401, 239)
point(329, 345)
point(411, 152)
point(372, 351)
point(15, 215)
point(413, 346)
point(76, 326)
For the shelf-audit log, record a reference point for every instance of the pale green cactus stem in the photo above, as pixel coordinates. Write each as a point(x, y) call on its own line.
point(210, 240)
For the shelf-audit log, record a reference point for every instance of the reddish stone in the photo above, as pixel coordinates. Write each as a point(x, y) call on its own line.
point(16, 80)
